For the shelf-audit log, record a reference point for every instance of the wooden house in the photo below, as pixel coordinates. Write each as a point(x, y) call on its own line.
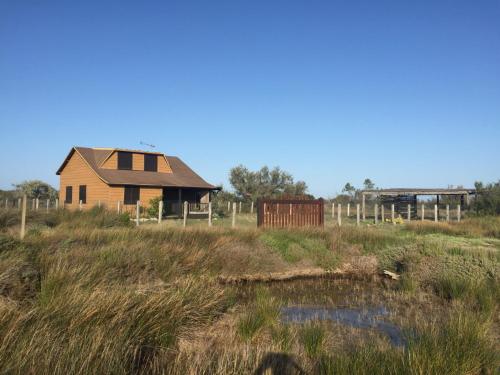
point(114, 177)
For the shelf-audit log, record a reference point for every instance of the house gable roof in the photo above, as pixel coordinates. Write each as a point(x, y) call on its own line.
point(181, 176)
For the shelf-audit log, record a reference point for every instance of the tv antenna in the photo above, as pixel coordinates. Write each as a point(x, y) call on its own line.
point(147, 144)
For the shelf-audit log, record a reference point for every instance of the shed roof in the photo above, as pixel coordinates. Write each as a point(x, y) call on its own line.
point(181, 176)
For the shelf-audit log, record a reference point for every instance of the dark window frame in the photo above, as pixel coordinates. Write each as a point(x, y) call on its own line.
point(69, 194)
point(125, 160)
point(82, 194)
point(150, 163)
point(131, 194)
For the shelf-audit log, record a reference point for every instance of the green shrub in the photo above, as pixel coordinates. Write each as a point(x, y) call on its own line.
point(154, 207)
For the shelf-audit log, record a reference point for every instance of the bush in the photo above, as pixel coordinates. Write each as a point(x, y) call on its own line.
point(154, 207)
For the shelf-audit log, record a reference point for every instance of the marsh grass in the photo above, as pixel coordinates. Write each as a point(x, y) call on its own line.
point(312, 336)
point(294, 246)
point(263, 313)
point(487, 226)
point(460, 346)
point(87, 292)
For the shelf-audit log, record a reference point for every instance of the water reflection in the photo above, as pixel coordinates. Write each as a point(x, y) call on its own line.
point(359, 318)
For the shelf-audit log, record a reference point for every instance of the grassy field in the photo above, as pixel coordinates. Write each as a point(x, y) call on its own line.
point(87, 292)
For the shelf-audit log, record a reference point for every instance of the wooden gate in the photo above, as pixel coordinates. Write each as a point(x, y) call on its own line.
point(282, 213)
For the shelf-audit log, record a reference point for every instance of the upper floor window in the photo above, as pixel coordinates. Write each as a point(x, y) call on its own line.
point(150, 163)
point(124, 160)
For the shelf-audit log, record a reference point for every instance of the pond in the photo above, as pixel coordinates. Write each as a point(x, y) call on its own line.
point(367, 305)
point(358, 318)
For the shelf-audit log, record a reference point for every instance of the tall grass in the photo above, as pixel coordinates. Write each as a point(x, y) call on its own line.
point(461, 346)
point(86, 292)
point(487, 226)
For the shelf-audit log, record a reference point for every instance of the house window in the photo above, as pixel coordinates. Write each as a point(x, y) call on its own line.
point(124, 160)
point(131, 195)
point(83, 194)
point(69, 194)
point(151, 163)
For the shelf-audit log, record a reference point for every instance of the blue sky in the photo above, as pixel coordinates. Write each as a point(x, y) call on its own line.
point(405, 93)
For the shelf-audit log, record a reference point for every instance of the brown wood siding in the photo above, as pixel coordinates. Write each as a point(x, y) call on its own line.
point(116, 193)
point(76, 173)
point(111, 162)
point(163, 165)
point(137, 162)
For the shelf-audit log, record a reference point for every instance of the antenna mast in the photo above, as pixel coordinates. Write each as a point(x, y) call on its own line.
point(147, 144)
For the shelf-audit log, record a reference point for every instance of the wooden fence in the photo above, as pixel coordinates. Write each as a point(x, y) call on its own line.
point(282, 213)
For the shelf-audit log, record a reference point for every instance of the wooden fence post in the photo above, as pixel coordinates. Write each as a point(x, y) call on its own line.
point(228, 206)
point(137, 212)
point(448, 213)
point(339, 214)
point(23, 217)
point(375, 209)
point(458, 213)
point(233, 222)
point(392, 213)
point(160, 211)
point(436, 213)
point(57, 203)
point(409, 212)
point(33, 204)
point(37, 204)
point(239, 209)
point(99, 203)
point(118, 207)
point(423, 212)
point(19, 203)
point(357, 214)
point(348, 209)
point(48, 203)
point(364, 207)
point(185, 214)
point(333, 210)
point(6, 203)
point(210, 214)
point(80, 205)
point(382, 215)
point(251, 208)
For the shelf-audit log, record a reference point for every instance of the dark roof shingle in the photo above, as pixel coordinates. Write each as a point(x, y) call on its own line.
point(181, 176)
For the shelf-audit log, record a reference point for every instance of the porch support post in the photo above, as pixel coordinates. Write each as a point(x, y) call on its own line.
point(180, 202)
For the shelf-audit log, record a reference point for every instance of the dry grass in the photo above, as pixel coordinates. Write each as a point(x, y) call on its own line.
point(86, 292)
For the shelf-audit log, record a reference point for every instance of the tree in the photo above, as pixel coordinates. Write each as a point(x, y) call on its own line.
point(368, 184)
point(264, 183)
point(36, 189)
point(487, 200)
point(349, 189)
